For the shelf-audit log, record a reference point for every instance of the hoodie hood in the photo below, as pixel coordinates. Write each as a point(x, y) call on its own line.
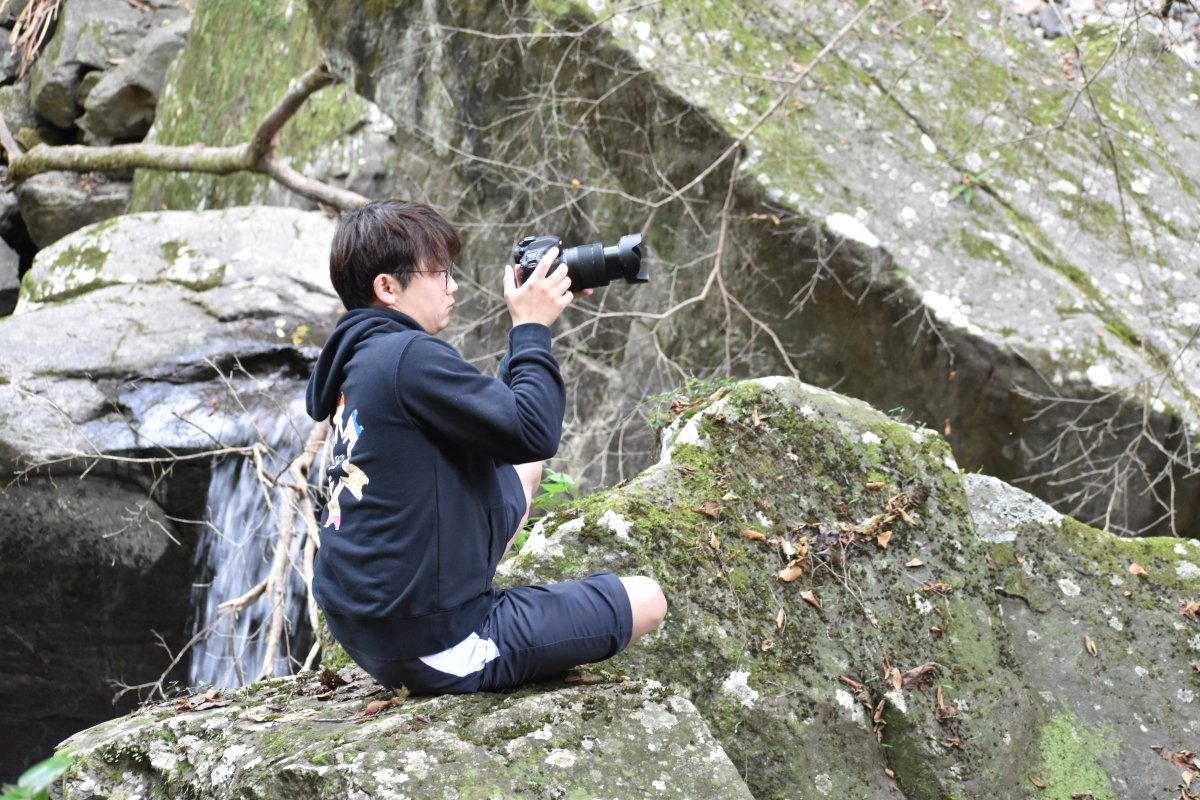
point(354, 327)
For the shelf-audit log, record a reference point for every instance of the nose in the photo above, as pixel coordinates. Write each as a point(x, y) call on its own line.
point(451, 284)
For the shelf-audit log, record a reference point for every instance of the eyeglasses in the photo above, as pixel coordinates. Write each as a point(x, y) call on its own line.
point(448, 273)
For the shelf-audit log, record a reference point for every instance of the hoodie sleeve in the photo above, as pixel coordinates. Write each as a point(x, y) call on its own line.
point(513, 423)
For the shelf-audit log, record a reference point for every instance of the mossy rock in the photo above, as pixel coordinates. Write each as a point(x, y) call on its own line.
point(341, 735)
point(796, 669)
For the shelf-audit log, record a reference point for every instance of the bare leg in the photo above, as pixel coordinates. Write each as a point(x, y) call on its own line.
point(648, 603)
point(531, 476)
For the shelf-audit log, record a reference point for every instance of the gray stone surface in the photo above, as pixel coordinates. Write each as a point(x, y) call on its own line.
point(626, 740)
point(54, 204)
point(16, 106)
point(89, 35)
point(122, 104)
point(163, 330)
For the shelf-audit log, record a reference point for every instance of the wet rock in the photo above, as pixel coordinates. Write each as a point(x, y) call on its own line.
point(123, 102)
point(54, 204)
point(143, 337)
point(163, 330)
point(108, 576)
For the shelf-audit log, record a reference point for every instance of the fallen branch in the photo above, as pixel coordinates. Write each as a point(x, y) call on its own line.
point(259, 155)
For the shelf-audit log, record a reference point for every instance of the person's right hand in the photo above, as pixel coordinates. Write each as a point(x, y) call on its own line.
point(542, 297)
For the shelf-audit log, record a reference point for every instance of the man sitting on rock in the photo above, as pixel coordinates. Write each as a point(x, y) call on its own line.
point(424, 497)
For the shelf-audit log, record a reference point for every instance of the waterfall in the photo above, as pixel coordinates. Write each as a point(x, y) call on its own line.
point(234, 554)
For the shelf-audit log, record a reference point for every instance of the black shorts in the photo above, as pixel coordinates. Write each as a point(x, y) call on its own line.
point(533, 632)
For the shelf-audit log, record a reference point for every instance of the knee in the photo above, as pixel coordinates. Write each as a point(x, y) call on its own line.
point(647, 602)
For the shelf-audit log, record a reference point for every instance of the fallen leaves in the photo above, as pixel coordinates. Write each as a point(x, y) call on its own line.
point(201, 701)
point(891, 675)
point(710, 508)
point(1190, 609)
point(914, 563)
point(809, 597)
point(1138, 570)
point(779, 619)
point(915, 677)
point(1035, 781)
point(792, 571)
point(1090, 645)
point(377, 707)
point(754, 536)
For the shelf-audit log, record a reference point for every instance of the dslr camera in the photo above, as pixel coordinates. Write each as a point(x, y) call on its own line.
point(588, 265)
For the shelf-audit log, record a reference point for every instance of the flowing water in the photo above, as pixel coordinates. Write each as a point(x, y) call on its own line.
point(235, 553)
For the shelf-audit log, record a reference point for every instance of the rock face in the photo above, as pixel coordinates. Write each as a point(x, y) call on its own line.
point(90, 36)
point(224, 82)
point(156, 336)
point(293, 738)
point(850, 616)
point(122, 104)
point(922, 218)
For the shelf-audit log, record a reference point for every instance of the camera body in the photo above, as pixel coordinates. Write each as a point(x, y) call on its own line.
point(588, 265)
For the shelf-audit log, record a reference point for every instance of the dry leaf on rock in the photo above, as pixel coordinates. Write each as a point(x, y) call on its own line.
point(915, 677)
point(755, 536)
point(793, 570)
point(916, 562)
point(891, 675)
point(1190, 609)
point(376, 707)
point(883, 538)
point(810, 598)
point(709, 508)
point(201, 701)
point(1090, 645)
point(1139, 570)
point(779, 619)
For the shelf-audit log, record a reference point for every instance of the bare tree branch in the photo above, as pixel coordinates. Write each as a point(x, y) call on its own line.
point(259, 155)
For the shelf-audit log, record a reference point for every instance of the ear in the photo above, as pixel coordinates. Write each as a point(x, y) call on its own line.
point(387, 289)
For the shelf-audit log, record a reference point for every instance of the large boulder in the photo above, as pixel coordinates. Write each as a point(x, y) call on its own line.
point(167, 330)
point(54, 204)
point(837, 587)
point(849, 614)
point(301, 738)
point(941, 213)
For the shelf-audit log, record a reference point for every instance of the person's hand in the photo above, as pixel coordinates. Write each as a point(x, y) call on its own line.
point(543, 296)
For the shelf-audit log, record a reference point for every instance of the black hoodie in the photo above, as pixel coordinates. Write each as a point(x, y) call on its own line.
point(415, 524)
